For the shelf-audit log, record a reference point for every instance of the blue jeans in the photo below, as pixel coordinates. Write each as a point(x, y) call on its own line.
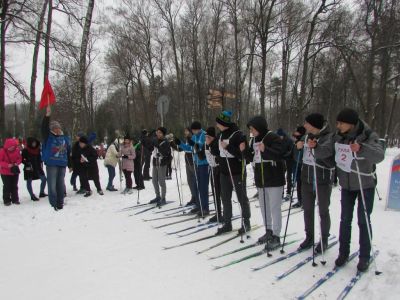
point(348, 202)
point(56, 185)
point(42, 185)
point(111, 175)
point(202, 184)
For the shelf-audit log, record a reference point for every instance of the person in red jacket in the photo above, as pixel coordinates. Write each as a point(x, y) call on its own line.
point(10, 159)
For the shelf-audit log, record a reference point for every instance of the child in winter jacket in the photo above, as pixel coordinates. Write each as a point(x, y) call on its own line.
point(110, 161)
point(10, 159)
point(127, 152)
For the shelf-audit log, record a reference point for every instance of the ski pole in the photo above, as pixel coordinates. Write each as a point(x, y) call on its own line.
point(265, 208)
point(367, 220)
point(237, 196)
point(291, 201)
point(180, 176)
point(176, 176)
point(214, 193)
point(323, 261)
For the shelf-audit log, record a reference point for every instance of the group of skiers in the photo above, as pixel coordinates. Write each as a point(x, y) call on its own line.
point(309, 161)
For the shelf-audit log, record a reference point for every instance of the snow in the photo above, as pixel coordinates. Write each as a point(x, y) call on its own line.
point(93, 250)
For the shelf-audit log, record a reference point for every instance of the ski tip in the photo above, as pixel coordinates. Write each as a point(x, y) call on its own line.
point(377, 273)
point(216, 268)
point(323, 262)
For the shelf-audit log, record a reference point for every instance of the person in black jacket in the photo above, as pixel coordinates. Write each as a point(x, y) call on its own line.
point(298, 136)
point(318, 149)
point(161, 157)
point(147, 148)
point(266, 150)
point(287, 145)
point(75, 174)
point(138, 162)
point(86, 160)
point(33, 167)
point(231, 169)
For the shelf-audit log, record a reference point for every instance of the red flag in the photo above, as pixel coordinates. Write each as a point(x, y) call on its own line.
point(48, 96)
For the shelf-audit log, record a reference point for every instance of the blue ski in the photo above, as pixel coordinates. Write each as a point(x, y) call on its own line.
point(301, 263)
point(353, 281)
point(279, 259)
point(325, 278)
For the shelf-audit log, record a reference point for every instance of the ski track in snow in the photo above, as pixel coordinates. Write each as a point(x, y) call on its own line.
point(89, 250)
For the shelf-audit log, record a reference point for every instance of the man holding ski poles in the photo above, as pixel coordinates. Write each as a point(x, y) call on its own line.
point(232, 171)
point(197, 145)
point(357, 151)
point(316, 177)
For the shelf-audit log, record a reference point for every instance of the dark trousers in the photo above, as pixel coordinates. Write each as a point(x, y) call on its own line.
point(297, 178)
point(74, 175)
point(10, 188)
point(84, 177)
point(324, 196)
point(226, 196)
point(201, 188)
point(289, 172)
point(111, 176)
point(169, 169)
point(191, 179)
point(146, 166)
point(128, 179)
point(137, 173)
point(216, 187)
point(348, 201)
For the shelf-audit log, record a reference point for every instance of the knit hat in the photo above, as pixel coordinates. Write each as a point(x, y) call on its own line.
point(83, 139)
point(195, 125)
point(144, 131)
point(259, 123)
point(211, 131)
point(80, 134)
point(54, 125)
point(163, 130)
point(301, 130)
point(348, 115)
point(316, 120)
point(127, 137)
point(280, 132)
point(225, 118)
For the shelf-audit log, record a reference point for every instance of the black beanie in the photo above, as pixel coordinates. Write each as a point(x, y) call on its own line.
point(316, 120)
point(83, 139)
point(301, 130)
point(195, 125)
point(259, 123)
point(127, 137)
point(211, 131)
point(348, 115)
point(163, 130)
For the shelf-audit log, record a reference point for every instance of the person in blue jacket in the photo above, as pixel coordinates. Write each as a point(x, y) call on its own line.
point(197, 143)
point(56, 149)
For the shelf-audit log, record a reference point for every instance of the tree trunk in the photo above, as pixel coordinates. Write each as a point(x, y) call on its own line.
point(47, 41)
point(304, 78)
point(3, 27)
point(82, 62)
point(32, 103)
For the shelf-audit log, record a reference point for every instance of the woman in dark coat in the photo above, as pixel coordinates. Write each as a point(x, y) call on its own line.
point(33, 167)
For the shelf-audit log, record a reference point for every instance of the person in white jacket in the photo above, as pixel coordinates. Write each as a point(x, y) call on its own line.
point(111, 161)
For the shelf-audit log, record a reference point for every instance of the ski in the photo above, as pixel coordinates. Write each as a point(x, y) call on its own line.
point(208, 226)
point(241, 249)
point(286, 256)
point(189, 228)
point(325, 278)
point(347, 289)
point(196, 240)
point(134, 207)
point(150, 208)
point(256, 254)
point(302, 263)
point(173, 209)
point(176, 222)
point(164, 218)
point(226, 240)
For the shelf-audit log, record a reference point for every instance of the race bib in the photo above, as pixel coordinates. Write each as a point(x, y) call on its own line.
point(343, 157)
point(308, 158)
point(222, 151)
point(210, 159)
point(257, 153)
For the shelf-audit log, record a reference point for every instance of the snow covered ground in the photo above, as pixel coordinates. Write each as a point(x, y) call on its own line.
point(92, 250)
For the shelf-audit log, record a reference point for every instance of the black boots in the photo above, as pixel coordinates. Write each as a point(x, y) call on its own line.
point(341, 260)
point(265, 237)
point(324, 246)
point(363, 264)
point(227, 227)
point(246, 227)
point(273, 243)
point(307, 243)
